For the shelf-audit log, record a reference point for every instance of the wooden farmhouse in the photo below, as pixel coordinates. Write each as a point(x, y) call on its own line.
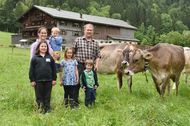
point(71, 25)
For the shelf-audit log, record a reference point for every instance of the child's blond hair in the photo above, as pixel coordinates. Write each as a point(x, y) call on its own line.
point(55, 29)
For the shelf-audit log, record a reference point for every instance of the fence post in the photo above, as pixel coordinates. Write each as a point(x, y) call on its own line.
point(12, 46)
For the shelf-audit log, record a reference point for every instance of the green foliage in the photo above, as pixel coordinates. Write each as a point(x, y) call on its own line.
point(139, 34)
point(179, 26)
point(186, 38)
point(176, 38)
point(96, 9)
point(20, 9)
point(146, 35)
point(173, 38)
point(116, 15)
point(166, 23)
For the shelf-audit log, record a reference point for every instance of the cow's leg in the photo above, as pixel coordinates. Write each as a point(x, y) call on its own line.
point(165, 82)
point(177, 83)
point(174, 86)
point(129, 81)
point(169, 87)
point(120, 79)
point(156, 85)
point(186, 77)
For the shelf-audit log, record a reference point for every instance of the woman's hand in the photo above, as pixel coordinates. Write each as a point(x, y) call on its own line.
point(53, 82)
point(84, 88)
point(33, 84)
point(61, 83)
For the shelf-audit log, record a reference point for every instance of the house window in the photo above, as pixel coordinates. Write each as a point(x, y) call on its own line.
point(52, 22)
point(26, 25)
point(63, 23)
point(33, 23)
point(96, 33)
point(76, 25)
point(75, 33)
point(38, 23)
point(63, 32)
point(33, 34)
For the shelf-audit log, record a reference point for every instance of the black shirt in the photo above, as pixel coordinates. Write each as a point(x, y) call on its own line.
point(42, 69)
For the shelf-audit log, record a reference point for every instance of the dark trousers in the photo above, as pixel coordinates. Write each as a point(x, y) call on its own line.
point(69, 95)
point(90, 96)
point(43, 95)
point(81, 68)
point(58, 67)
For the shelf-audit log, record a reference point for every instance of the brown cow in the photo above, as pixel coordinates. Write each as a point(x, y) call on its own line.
point(165, 62)
point(113, 58)
point(111, 61)
point(186, 69)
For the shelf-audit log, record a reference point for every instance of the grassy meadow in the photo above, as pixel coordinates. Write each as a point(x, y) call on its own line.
point(5, 38)
point(143, 107)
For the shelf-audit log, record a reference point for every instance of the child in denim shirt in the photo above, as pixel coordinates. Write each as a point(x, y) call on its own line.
point(55, 40)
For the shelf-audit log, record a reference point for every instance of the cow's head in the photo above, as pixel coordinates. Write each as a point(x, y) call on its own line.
point(126, 53)
point(137, 61)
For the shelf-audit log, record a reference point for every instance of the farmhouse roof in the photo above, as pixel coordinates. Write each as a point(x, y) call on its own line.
point(119, 37)
point(58, 13)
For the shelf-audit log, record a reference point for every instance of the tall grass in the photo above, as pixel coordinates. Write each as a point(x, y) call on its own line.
point(113, 108)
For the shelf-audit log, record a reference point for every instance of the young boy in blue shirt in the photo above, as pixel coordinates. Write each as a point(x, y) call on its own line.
point(55, 40)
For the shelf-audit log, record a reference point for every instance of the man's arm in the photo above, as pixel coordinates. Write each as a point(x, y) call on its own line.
point(74, 46)
point(32, 51)
point(96, 64)
point(98, 56)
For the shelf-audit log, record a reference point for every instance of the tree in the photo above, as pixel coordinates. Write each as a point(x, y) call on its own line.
point(180, 27)
point(139, 34)
point(151, 35)
point(166, 23)
point(96, 9)
point(20, 9)
point(155, 17)
point(186, 38)
point(172, 38)
point(116, 15)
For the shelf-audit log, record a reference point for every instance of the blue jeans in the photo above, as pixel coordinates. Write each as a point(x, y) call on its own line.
point(90, 96)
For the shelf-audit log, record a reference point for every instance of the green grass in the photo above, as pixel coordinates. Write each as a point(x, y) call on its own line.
point(113, 108)
point(5, 38)
point(143, 107)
